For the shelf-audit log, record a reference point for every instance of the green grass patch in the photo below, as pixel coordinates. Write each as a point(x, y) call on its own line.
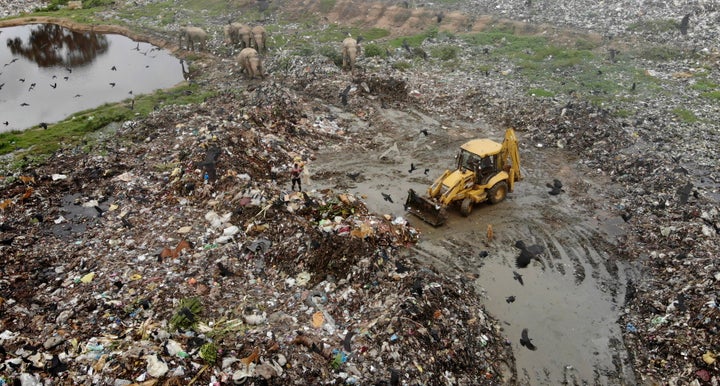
point(704, 85)
point(445, 52)
point(654, 26)
point(402, 65)
point(623, 113)
point(662, 53)
point(685, 115)
point(539, 92)
point(714, 95)
point(158, 12)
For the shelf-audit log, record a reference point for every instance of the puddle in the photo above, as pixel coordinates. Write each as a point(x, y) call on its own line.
point(76, 214)
point(49, 72)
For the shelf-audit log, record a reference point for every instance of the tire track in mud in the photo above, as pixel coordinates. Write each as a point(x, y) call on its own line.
point(568, 300)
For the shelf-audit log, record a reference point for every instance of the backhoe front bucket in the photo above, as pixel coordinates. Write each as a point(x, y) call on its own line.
point(426, 209)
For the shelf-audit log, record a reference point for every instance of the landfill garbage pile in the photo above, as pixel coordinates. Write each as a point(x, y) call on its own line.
point(173, 253)
point(126, 267)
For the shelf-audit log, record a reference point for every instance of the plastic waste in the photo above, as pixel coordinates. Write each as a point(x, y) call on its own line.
point(155, 367)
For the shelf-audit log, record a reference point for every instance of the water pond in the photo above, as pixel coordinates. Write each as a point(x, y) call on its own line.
point(48, 72)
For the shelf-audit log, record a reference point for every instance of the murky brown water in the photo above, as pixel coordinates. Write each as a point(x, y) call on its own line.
point(570, 299)
point(48, 72)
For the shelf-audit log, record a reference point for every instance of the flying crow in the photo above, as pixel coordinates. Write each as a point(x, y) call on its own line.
point(518, 277)
point(526, 341)
point(387, 197)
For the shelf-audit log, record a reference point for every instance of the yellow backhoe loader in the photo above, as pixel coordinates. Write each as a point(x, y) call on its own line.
point(485, 171)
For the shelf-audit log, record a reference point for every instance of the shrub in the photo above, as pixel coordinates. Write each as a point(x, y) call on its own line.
point(445, 52)
point(332, 54)
point(372, 49)
point(685, 115)
point(401, 65)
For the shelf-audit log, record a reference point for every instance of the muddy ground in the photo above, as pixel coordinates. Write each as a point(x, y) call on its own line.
point(602, 272)
point(568, 298)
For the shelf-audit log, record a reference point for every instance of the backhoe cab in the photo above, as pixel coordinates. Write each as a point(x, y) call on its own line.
point(485, 171)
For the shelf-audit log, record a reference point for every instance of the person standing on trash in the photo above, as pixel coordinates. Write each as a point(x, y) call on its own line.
point(295, 175)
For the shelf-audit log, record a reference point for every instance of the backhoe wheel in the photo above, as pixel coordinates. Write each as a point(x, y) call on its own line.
point(466, 207)
point(498, 192)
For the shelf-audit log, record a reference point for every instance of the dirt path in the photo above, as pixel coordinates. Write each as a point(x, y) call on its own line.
point(570, 298)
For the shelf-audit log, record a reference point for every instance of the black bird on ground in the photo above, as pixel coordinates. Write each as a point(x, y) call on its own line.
point(394, 377)
point(526, 341)
point(43, 125)
point(527, 253)
point(684, 192)
point(344, 95)
point(484, 254)
point(126, 223)
point(518, 277)
point(633, 87)
point(348, 339)
point(387, 197)
point(684, 23)
point(7, 240)
point(406, 45)
point(353, 176)
point(223, 270)
point(412, 167)
point(427, 171)
point(510, 299)
point(555, 187)
point(424, 131)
